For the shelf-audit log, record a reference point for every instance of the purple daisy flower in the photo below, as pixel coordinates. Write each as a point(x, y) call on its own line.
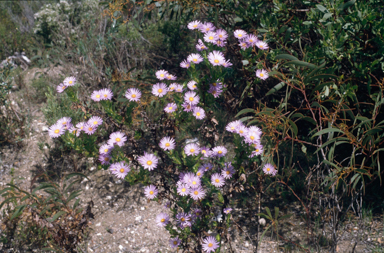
point(220, 43)
point(192, 85)
point(170, 77)
point(200, 172)
point(210, 244)
point(207, 166)
point(117, 138)
point(242, 130)
point(200, 46)
point(233, 126)
point(226, 64)
point(194, 25)
point(269, 169)
point(216, 58)
point(191, 97)
point(80, 126)
point(192, 149)
point(207, 27)
point(96, 96)
point(215, 91)
point(217, 180)
point(192, 180)
point(95, 121)
point(251, 40)
point(148, 161)
point(217, 84)
point(161, 74)
point(133, 94)
point(184, 220)
point(195, 58)
point(183, 189)
point(240, 34)
point(105, 149)
point(227, 210)
point(244, 45)
point(199, 112)
point(60, 88)
point(171, 107)
point(206, 151)
point(174, 242)
point(56, 130)
point(179, 88)
point(185, 64)
point(222, 34)
point(73, 130)
point(106, 94)
point(197, 212)
point(197, 193)
point(120, 169)
point(262, 74)
point(172, 86)
point(69, 81)
point(89, 129)
point(105, 159)
point(210, 37)
point(150, 192)
point(188, 107)
point(257, 151)
point(262, 45)
point(167, 143)
point(159, 89)
point(167, 204)
point(219, 151)
point(65, 121)
point(228, 171)
point(162, 219)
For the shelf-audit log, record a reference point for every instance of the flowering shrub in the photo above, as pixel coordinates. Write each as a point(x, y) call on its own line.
point(196, 175)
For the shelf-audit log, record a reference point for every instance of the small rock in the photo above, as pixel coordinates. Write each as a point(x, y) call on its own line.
point(142, 208)
point(138, 218)
point(110, 230)
point(98, 225)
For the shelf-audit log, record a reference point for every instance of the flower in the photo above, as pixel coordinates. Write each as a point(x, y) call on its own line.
point(133, 94)
point(205, 151)
point(192, 180)
point(197, 193)
point(217, 180)
point(162, 219)
point(95, 121)
point(269, 169)
point(195, 58)
point(96, 96)
point(105, 149)
point(192, 149)
point(215, 91)
point(161, 74)
point(200, 172)
point(242, 130)
point(262, 45)
point(159, 89)
point(179, 88)
point(192, 85)
point(233, 126)
point(148, 161)
point(200, 46)
point(150, 191)
point(80, 125)
point(60, 88)
point(210, 244)
point(211, 37)
point(171, 107)
point(117, 138)
point(222, 34)
point(74, 130)
point(56, 130)
point(227, 210)
point(258, 150)
point(216, 58)
point(172, 86)
point(184, 220)
point(240, 34)
point(188, 107)
point(227, 171)
point(167, 204)
point(69, 81)
point(174, 242)
point(262, 74)
point(170, 77)
point(252, 40)
point(89, 129)
point(106, 94)
point(207, 27)
point(65, 121)
point(207, 166)
point(191, 98)
point(219, 151)
point(183, 189)
point(226, 64)
point(244, 45)
point(167, 143)
point(104, 159)
point(185, 64)
point(199, 112)
point(120, 169)
point(220, 43)
point(194, 25)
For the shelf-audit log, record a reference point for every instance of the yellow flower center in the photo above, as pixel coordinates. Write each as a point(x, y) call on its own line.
point(194, 86)
point(241, 131)
point(191, 99)
point(64, 123)
point(160, 90)
point(194, 26)
point(183, 190)
point(161, 75)
point(182, 219)
point(207, 29)
point(106, 150)
point(95, 122)
point(252, 137)
point(268, 169)
point(210, 244)
point(97, 96)
point(170, 108)
point(106, 159)
point(251, 40)
point(57, 131)
point(192, 150)
point(203, 151)
point(167, 144)
point(70, 82)
point(118, 139)
point(210, 37)
point(217, 181)
point(216, 61)
point(149, 162)
point(197, 114)
point(162, 220)
point(121, 170)
point(151, 192)
point(172, 88)
point(196, 192)
point(81, 127)
point(206, 168)
point(220, 36)
point(240, 35)
point(228, 172)
point(133, 95)
point(202, 47)
point(194, 182)
point(261, 46)
point(198, 173)
point(194, 59)
point(220, 152)
point(261, 74)
point(90, 128)
point(174, 242)
point(257, 150)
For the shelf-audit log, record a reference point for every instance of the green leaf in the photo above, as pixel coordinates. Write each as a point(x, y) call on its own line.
point(293, 128)
point(320, 76)
point(245, 111)
point(303, 148)
point(347, 5)
point(287, 57)
point(276, 212)
point(268, 212)
point(57, 215)
point(245, 62)
point(328, 130)
point(18, 211)
point(301, 64)
point(275, 88)
point(321, 8)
